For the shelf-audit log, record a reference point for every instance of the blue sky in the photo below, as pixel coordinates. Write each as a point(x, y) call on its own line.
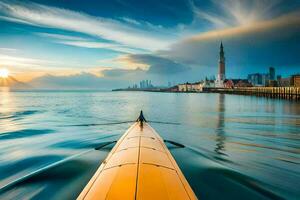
point(107, 44)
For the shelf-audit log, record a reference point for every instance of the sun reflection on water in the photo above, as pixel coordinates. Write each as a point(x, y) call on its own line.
point(7, 107)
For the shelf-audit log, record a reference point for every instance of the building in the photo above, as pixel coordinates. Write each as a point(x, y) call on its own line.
point(185, 87)
point(272, 73)
point(243, 83)
point(284, 82)
point(197, 87)
point(295, 80)
point(259, 79)
point(208, 83)
point(229, 83)
point(145, 84)
point(279, 78)
point(190, 87)
point(265, 79)
point(232, 83)
point(174, 89)
point(221, 73)
point(256, 79)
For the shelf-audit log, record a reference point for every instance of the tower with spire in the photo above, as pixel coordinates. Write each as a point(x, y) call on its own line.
point(221, 73)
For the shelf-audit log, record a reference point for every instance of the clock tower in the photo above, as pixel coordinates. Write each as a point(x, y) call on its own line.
point(221, 72)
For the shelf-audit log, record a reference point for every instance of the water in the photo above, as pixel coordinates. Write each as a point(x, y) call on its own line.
point(237, 147)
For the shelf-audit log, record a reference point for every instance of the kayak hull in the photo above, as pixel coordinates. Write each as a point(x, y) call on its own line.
point(140, 166)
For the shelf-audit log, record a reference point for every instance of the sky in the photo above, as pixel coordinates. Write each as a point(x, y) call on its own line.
point(102, 44)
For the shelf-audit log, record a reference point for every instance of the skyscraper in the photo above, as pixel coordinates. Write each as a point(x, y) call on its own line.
point(221, 73)
point(272, 73)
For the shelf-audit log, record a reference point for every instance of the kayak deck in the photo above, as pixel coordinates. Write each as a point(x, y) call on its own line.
point(140, 166)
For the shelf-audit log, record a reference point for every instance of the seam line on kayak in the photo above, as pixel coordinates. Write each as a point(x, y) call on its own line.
point(108, 157)
point(175, 168)
point(121, 165)
point(159, 166)
point(138, 167)
point(154, 149)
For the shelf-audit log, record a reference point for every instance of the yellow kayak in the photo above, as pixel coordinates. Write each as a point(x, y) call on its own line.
point(139, 166)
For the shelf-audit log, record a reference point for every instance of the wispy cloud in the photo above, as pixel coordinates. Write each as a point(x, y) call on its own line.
point(88, 43)
point(157, 64)
point(290, 20)
point(8, 50)
point(29, 63)
point(131, 21)
point(61, 37)
point(119, 72)
point(26, 68)
point(12, 19)
point(86, 80)
point(230, 13)
point(16, 61)
point(99, 45)
point(47, 16)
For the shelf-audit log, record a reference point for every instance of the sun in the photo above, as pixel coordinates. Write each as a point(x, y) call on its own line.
point(4, 73)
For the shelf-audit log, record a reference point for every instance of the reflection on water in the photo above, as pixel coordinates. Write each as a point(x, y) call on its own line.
point(237, 147)
point(220, 134)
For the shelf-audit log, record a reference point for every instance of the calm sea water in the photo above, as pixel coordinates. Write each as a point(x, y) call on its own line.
point(237, 147)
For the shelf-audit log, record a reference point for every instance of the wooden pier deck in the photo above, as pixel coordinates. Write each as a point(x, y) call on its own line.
point(291, 93)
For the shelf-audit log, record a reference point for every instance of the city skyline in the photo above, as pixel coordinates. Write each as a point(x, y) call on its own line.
point(100, 44)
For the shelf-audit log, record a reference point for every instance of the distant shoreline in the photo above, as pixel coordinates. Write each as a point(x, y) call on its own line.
point(289, 93)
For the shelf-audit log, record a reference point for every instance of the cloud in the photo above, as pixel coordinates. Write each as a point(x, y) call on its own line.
point(77, 81)
point(61, 37)
point(52, 17)
point(88, 43)
point(260, 44)
point(232, 13)
point(158, 65)
point(12, 19)
point(123, 72)
point(102, 78)
point(131, 21)
point(285, 21)
point(255, 33)
point(23, 63)
point(99, 45)
point(17, 61)
point(8, 50)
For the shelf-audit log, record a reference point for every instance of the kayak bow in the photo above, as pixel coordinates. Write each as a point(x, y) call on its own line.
point(139, 166)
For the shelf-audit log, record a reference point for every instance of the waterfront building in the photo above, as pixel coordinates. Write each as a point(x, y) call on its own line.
point(272, 73)
point(208, 84)
point(190, 87)
point(232, 83)
point(221, 73)
point(295, 80)
point(284, 82)
point(243, 83)
point(144, 84)
point(183, 87)
point(229, 83)
point(292, 81)
point(173, 89)
point(255, 79)
point(265, 79)
point(197, 87)
point(259, 79)
point(279, 78)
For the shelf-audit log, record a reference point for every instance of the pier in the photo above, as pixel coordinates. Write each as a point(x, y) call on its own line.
point(291, 93)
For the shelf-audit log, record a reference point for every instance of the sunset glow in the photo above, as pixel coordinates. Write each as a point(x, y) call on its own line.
point(4, 73)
